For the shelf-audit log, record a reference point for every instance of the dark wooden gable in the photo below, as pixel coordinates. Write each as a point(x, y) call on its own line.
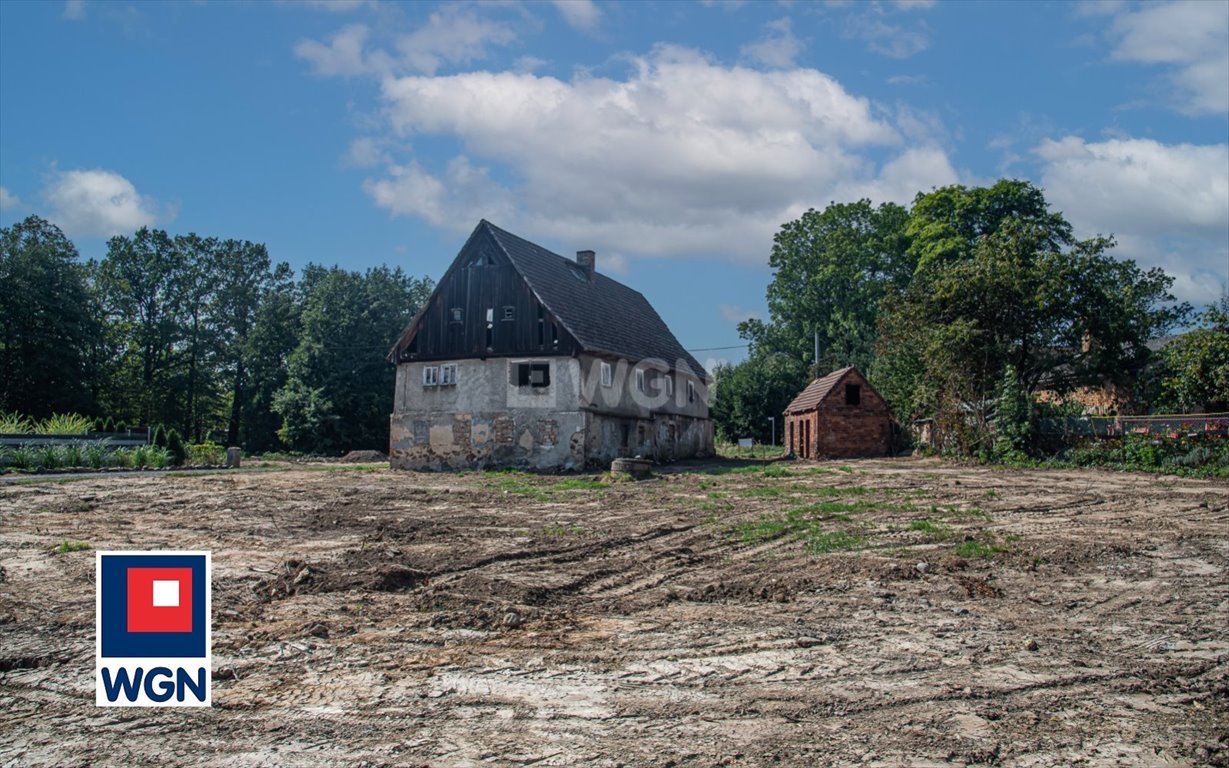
point(481, 308)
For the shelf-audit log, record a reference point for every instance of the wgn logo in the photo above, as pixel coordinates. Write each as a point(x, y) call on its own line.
point(153, 628)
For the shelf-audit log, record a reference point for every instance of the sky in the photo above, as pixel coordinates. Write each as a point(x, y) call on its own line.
point(673, 138)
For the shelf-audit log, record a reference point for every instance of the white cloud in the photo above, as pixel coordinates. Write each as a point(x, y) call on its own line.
point(732, 313)
point(365, 152)
point(914, 5)
point(342, 56)
point(74, 10)
point(449, 36)
point(777, 47)
point(1166, 204)
point(1191, 37)
point(336, 6)
point(892, 40)
point(8, 201)
point(681, 157)
point(97, 203)
point(579, 14)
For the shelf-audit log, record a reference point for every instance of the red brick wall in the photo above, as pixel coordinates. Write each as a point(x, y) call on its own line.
point(839, 430)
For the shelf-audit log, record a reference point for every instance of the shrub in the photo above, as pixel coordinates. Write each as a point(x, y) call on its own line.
point(22, 457)
point(207, 453)
point(15, 424)
point(175, 446)
point(122, 457)
point(49, 457)
point(140, 456)
point(96, 454)
point(158, 457)
point(64, 424)
point(74, 454)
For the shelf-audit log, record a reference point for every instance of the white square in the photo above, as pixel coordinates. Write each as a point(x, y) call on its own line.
point(166, 594)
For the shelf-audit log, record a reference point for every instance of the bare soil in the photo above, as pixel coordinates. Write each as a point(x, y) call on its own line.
point(890, 612)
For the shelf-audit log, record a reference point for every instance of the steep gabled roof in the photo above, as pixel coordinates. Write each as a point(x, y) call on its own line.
point(604, 316)
point(816, 391)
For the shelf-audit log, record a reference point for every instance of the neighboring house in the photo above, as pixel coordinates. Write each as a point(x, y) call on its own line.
point(524, 358)
point(838, 416)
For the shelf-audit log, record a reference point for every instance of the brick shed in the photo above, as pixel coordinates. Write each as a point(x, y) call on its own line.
point(838, 416)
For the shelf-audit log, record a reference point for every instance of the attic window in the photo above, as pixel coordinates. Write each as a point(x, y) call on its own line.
point(533, 374)
point(509, 313)
point(578, 273)
point(484, 260)
point(457, 314)
point(853, 394)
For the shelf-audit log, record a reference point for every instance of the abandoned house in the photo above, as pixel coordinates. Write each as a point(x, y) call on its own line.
point(838, 416)
point(524, 358)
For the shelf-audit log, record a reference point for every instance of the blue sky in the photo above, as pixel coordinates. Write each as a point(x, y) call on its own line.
point(672, 138)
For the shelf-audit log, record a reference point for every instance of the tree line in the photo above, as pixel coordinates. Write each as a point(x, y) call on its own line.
point(971, 295)
point(201, 334)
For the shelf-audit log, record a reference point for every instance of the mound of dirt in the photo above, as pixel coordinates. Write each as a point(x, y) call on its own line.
point(363, 457)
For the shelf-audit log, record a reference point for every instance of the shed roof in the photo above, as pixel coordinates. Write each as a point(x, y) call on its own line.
point(816, 391)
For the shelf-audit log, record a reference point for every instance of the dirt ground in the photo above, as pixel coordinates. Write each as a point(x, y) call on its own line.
point(889, 612)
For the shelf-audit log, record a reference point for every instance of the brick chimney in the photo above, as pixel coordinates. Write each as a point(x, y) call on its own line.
point(588, 262)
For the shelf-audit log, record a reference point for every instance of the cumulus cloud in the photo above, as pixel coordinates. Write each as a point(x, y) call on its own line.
point(776, 47)
point(449, 36)
point(8, 200)
point(1191, 38)
point(97, 203)
point(1167, 204)
point(579, 14)
point(683, 156)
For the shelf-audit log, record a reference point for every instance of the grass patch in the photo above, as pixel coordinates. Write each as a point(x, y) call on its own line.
point(834, 541)
point(71, 546)
point(977, 548)
point(762, 491)
point(579, 484)
point(935, 531)
point(776, 470)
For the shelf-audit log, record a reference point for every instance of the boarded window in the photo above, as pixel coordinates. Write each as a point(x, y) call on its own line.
point(853, 394)
point(533, 374)
point(457, 314)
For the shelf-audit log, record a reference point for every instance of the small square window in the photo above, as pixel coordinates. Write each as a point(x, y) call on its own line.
point(533, 374)
point(457, 314)
point(448, 375)
point(509, 313)
point(430, 376)
point(853, 394)
point(607, 375)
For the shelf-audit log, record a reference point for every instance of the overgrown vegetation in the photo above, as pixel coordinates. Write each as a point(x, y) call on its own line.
point(203, 335)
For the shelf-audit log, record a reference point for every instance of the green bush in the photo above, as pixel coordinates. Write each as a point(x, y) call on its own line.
point(49, 457)
point(15, 424)
point(158, 457)
point(74, 454)
point(175, 446)
point(96, 454)
point(22, 457)
point(140, 455)
point(207, 453)
point(122, 457)
point(64, 424)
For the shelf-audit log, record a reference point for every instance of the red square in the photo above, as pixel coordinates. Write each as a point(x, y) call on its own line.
point(144, 616)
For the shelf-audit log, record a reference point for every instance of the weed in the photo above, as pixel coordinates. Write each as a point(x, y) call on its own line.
point(975, 548)
point(834, 541)
point(776, 470)
point(71, 546)
point(936, 531)
point(579, 484)
point(762, 491)
point(847, 470)
point(563, 530)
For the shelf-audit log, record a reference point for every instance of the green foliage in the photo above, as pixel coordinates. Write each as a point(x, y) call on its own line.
point(49, 322)
point(747, 394)
point(74, 454)
point(979, 548)
point(339, 387)
point(208, 454)
point(72, 546)
point(64, 424)
point(22, 457)
point(176, 450)
point(1013, 422)
point(49, 456)
point(15, 424)
point(1195, 367)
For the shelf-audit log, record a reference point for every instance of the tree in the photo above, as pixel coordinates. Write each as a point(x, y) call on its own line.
point(1195, 367)
point(339, 388)
point(48, 322)
point(266, 358)
point(142, 288)
point(747, 394)
point(1059, 313)
point(242, 279)
point(832, 269)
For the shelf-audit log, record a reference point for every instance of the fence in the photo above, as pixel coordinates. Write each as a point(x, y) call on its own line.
point(1114, 426)
point(118, 439)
